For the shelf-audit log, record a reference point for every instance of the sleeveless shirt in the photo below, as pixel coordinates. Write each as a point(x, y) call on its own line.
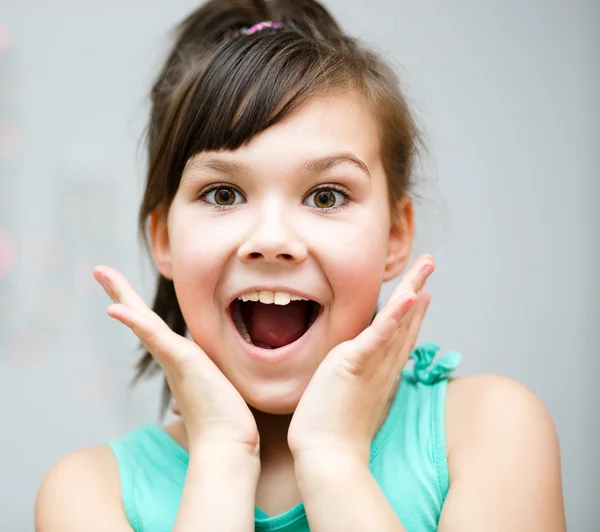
point(408, 459)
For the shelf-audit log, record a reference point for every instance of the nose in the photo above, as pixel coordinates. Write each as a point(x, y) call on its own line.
point(271, 239)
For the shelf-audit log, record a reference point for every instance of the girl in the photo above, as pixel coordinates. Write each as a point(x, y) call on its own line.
point(277, 203)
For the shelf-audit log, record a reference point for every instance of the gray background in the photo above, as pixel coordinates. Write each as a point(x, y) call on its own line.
point(508, 94)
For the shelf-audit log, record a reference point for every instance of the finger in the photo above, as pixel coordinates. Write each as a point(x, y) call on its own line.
point(120, 290)
point(415, 277)
point(118, 287)
point(399, 310)
point(165, 346)
point(375, 339)
point(414, 327)
point(403, 324)
point(406, 342)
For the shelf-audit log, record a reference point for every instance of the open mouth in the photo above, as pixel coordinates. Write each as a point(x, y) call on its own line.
point(271, 326)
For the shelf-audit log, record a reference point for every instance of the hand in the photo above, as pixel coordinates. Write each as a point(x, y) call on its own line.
point(212, 409)
point(340, 409)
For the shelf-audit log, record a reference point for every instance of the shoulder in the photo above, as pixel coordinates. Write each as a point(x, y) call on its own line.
point(492, 407)
point(477, 399)
point(82, 492)
point(502, 446)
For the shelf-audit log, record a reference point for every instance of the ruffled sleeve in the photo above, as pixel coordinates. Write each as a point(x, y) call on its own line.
point(423, 356)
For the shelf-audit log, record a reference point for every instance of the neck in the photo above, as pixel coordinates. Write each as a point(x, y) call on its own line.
point(273, 430)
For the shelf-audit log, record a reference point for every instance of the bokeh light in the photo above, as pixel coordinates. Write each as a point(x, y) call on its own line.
point(7, 253)
point(30, 348)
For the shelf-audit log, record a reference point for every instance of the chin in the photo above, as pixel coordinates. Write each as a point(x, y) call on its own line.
point(275, 399)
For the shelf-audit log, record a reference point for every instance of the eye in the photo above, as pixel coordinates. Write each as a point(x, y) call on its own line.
point(219, 195)
point(326, 197)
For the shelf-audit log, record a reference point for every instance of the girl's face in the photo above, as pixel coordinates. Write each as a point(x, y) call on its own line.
point(269, 226)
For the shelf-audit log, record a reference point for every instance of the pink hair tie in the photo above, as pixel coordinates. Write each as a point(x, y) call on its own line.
point(262, 26)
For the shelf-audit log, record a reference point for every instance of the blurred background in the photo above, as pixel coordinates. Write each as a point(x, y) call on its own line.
point(508, 95)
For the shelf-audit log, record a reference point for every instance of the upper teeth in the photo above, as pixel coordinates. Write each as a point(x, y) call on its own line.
point(269, 297)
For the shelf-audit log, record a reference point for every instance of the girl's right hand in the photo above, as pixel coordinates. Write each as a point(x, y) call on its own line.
point(213, 411)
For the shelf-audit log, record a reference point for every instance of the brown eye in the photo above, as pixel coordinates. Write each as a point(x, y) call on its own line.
point(224, 196)
point(329, 198)
point(220, 195)
point(324, 199)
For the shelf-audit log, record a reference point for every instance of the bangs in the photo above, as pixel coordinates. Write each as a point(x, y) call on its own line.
point(246, 86)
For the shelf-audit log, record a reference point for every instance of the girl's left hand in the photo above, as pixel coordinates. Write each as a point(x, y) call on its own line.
point(344, 402)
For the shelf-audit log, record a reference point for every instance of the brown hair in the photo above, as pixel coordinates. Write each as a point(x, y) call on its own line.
point(219, 87)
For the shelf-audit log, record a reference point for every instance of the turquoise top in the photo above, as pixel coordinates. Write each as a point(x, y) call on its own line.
point(408, 459)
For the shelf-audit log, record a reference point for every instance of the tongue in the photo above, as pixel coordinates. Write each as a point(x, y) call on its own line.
point(272, 326)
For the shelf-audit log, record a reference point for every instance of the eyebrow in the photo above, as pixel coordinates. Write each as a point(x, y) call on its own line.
point(318, 165)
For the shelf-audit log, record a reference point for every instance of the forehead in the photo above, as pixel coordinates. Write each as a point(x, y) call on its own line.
point(327, 125)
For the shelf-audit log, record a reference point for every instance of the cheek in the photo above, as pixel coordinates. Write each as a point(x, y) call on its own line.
point(357, 292)
point(197, 266)
point(199, 249)
point(356, 289)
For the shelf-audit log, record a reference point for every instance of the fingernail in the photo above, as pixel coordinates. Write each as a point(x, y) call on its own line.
point(427, 269)
point(104, 282)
